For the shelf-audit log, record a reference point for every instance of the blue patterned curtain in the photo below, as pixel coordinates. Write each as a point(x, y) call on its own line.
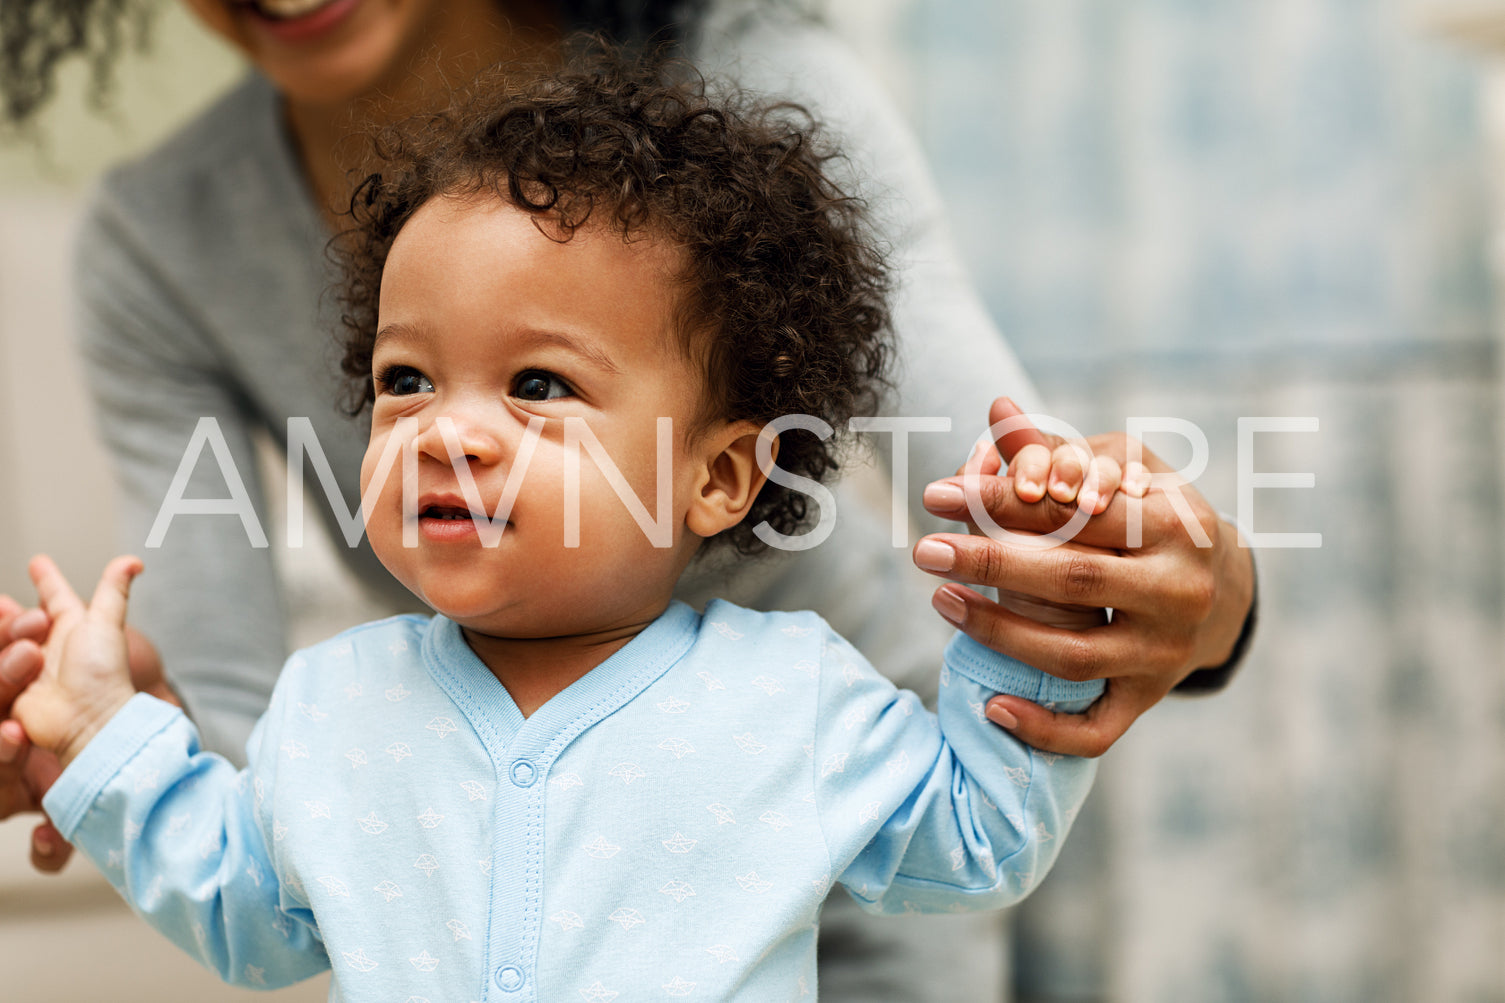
point(1211, 209)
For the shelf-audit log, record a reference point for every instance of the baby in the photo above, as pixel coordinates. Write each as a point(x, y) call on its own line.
point(566, 784)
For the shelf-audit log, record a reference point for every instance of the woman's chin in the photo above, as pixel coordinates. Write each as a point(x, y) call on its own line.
point(340, 52)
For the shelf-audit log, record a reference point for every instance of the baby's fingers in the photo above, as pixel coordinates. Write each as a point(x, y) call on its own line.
point(1103, 479)
point(53, 590)
point(114, 589)
point(1067, 469)
point(1030, 469)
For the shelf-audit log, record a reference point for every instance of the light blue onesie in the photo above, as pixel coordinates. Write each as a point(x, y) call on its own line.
point(665, 827)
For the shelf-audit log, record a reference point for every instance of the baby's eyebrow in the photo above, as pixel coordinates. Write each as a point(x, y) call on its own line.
point(401, 332)
point(571, 343)
point(424, 337)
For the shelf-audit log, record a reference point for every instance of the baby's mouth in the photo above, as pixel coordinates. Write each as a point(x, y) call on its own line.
point(285, 10)
point(446, 513)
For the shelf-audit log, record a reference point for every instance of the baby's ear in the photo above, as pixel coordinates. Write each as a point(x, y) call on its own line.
point(729, 480)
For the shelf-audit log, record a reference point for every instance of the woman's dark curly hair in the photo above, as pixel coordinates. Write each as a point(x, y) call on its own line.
point(783, 299)
point(37, 35)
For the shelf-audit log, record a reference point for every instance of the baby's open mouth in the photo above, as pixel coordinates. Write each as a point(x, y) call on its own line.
point(285, 10)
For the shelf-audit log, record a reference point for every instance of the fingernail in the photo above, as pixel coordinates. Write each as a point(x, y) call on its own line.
point(944, 498)
point(44, 844)
point(933, 555)
point(1136, 479)
point(1025, 486)
point(1087, 501)
point(949, 605)
point(1000, 716)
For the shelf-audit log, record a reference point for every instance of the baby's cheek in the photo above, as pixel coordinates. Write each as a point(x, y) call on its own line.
point(383, 512)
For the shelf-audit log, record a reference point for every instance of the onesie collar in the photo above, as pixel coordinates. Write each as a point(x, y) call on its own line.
point(502, 727)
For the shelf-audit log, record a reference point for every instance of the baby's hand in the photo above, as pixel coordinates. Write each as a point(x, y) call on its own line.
point(86, 674)
point(1037, 469)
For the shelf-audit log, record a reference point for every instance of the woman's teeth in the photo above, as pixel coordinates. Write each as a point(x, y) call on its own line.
point(287, 10)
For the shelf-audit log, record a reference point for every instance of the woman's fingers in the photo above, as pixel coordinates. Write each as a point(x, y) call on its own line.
point(31, 624)
point(18, 622)
point(1172, 513)
point(1021, 432)
point(1065, 574)
point(1087, 734)
point(50, 852)
point(15, 795)
point(20, 662)
point(12, 742)
point(1095, 653)
point(984, 461)
point(9, 610)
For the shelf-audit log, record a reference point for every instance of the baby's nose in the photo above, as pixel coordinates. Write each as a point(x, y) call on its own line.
point(453, 436)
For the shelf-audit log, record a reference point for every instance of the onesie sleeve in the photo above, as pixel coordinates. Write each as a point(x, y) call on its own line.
point(944, 812)
point(181, 836)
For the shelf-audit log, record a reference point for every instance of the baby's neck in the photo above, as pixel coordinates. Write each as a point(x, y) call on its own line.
point(535, 669)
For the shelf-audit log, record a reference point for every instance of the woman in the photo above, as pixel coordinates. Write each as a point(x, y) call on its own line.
point(200, 278)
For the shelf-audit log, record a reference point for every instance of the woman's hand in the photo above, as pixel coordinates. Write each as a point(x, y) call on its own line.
point(25, 772)
point(1177, 606)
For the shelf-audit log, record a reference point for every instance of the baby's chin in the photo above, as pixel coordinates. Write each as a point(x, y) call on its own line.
point(482, 614)
point(523, 616)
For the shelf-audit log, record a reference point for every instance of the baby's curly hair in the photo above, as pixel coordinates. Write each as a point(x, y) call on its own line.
point(783, 298)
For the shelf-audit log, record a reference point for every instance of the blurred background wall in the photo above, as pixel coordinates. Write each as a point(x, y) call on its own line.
point(1196, 208)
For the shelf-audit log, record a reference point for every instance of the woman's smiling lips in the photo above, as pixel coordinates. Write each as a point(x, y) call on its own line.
point(296, 20)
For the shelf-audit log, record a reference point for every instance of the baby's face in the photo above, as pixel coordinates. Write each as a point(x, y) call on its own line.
point(486, 321)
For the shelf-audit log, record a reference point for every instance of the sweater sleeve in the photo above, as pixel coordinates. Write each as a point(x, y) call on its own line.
point(181, 836)
point(152, 377)
point(931, 813)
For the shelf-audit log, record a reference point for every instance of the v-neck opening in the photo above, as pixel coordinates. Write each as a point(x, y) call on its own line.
point(549, 729)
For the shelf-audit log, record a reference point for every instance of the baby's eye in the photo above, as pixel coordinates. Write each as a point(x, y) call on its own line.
point(401, 381)
point(539, 385)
